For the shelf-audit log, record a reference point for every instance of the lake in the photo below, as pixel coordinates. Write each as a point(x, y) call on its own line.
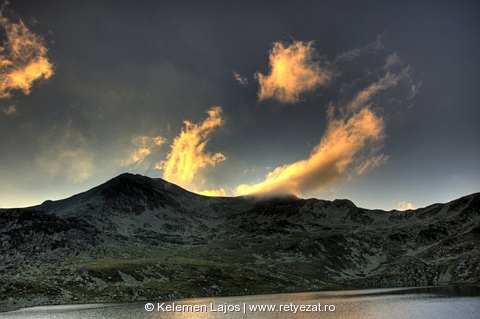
point(429, 302)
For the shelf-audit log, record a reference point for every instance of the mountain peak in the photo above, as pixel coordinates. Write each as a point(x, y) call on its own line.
point(122, 191)
point(133, 185)
point(129, 177)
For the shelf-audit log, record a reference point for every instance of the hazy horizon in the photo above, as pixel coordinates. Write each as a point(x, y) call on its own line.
point(257, 196)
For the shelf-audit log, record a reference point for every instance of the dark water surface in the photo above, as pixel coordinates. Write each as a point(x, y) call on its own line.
point(409, 303)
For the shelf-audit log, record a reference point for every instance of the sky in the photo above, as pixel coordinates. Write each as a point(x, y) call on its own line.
point(373, 101)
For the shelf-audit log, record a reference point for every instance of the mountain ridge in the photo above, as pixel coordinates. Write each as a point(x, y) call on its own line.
point(136, 178)
point(137, 238)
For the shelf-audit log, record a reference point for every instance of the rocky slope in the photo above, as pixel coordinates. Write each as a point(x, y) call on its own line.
point(137, 238)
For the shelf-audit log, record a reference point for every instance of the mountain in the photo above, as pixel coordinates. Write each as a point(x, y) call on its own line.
point(138, 238)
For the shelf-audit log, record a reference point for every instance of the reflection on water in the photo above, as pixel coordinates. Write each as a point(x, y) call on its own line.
point(432, 302)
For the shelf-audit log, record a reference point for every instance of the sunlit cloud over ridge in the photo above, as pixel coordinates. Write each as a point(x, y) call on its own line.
point(187, 159)
point(294, 70)
point(23, 58)
point(329, 161)
point(213, 192)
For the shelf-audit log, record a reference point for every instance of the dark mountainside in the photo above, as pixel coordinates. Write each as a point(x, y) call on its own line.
point(137, 238)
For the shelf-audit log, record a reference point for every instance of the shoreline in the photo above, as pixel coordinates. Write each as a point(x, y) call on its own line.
point(31, 304)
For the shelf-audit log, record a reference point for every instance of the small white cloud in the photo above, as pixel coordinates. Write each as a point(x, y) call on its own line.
point(242, 81)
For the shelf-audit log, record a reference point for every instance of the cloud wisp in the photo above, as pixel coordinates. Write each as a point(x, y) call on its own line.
point(294, 70)
point(9, 110)
point(370, 163)
point(363, 97)
point(23, 58)
point(370, 48)
point(350, 146)
point(187, 159)
point(144, 146)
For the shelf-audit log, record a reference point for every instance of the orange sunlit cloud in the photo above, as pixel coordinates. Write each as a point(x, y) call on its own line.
point(22, 58)
point(187, 158)
point(293, 71)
